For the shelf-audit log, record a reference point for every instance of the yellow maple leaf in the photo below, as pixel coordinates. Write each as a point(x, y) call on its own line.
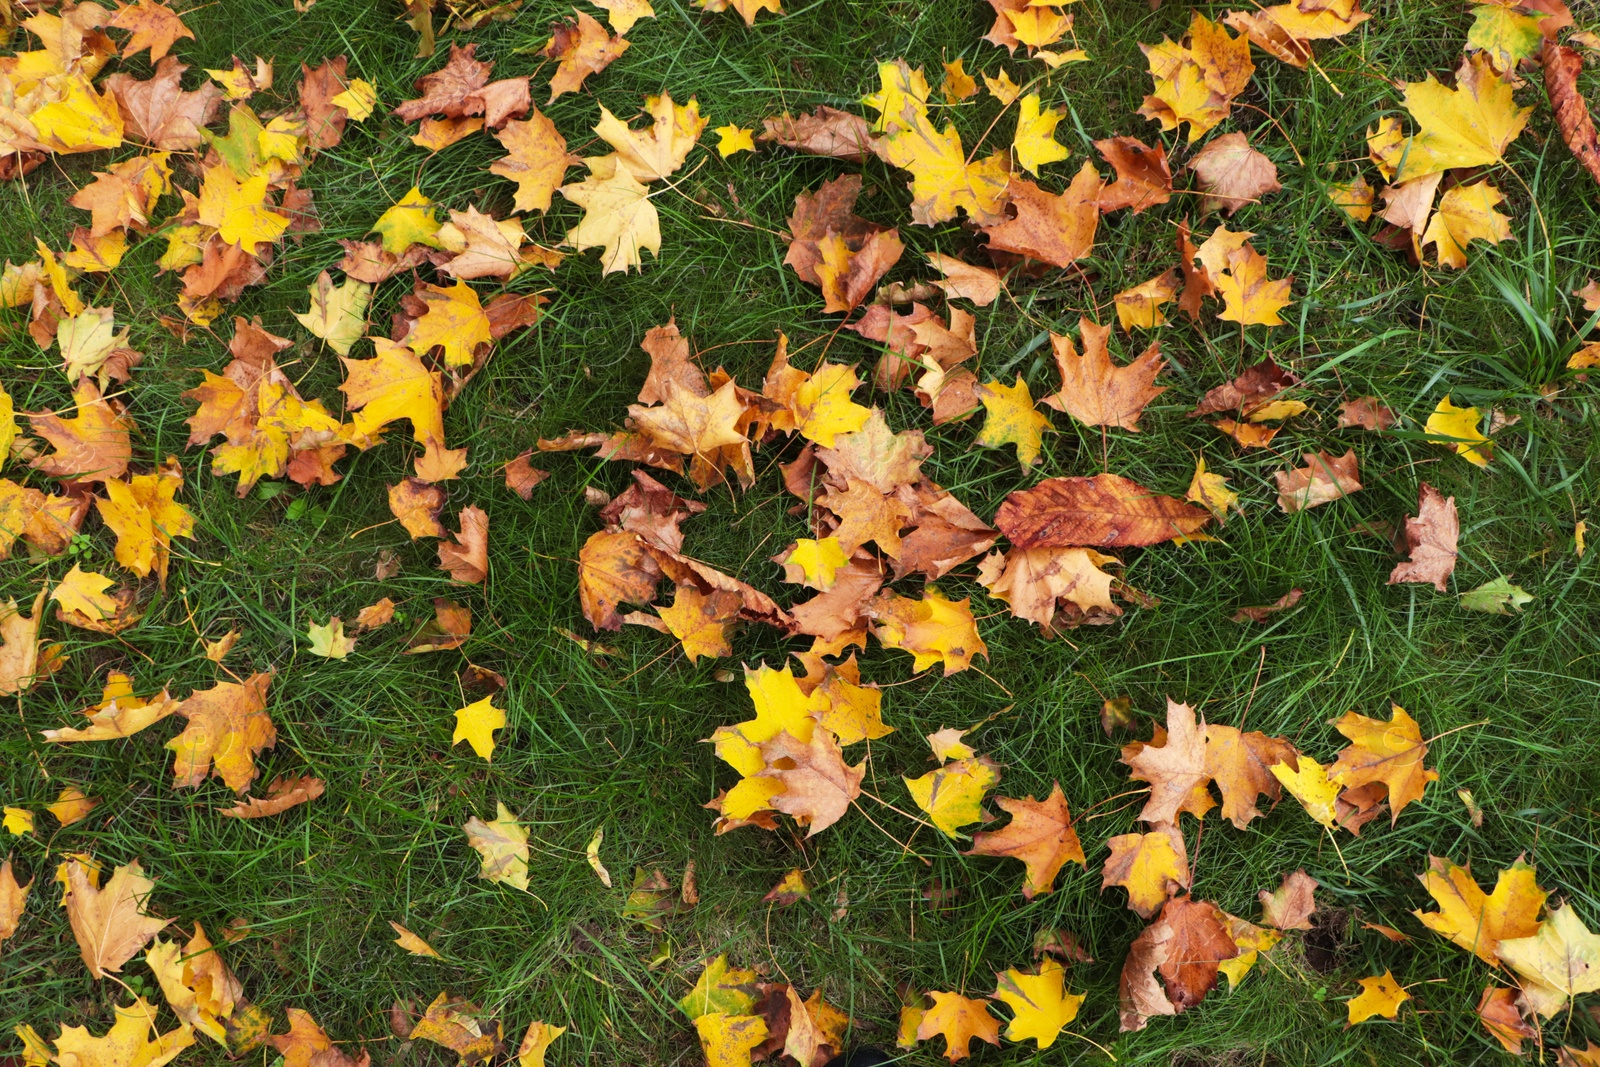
point(1466, 213)
point(408, 221)
point(781, 707)
point(359, 99)
point(390, 386)
point(1380, 995)
point(618, 218)
point(1039, 1003)
point(942, 181)
point(476, 724)
point(813, 563)
point(537, 160)
point(1012, 419)
point(127, 1044)
point(1210, 491)
point(728, 1040)
point(822, 406)
point(1479, 921)
point(1468, 126)
point(1035, 142)
point(79, 119)
point(1308, 783)
point(72, 805)
point(17, 821)
point(902, 98)
point(952, 795)
point(659, 150)
point(239, 210)
point(933, 629)
point(85, 592)
point(412, 943)
point(958, 85)
point(338, 314)
point(1560, 961)
point(328, 639)
point(1460, 425)
point(455, 321)
point(1249, 296)
point(622, 14)
point(541, 1035)
point(731, 139)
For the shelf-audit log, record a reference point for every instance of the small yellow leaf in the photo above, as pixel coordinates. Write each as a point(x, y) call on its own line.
point(1380, 995)
point(1211, 491)
point(1308, 783)
point(1035, 143)
point(958, 85)
point(412, 943)
point(476, 724)
point(731, 139)
point(410, 221)
point(17, 821)
point(1461, 424)
point(328, 640)
point(813, 563)
point(1012, 418)
point(359, 99)
point(338, 314)
point(592, 851)
point(84, 592)
point(1039, 1003)
point(537, 1041)
point(72, 806)
point(952, 795)
point(503, 845)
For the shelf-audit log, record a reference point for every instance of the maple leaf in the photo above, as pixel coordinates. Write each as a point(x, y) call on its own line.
point(119, 714)
point(503, 845)
point(727, 1040)
point(109, 922)
point(1041, 835)
point(151, 25)
point(1460, 427)
point(73, 805)
point(933, 629)
point(720, 988)
point(359, 99)
point(902, 97)
point(818, 786)
point(1251, 941)
point(338, 314)
point(943, 183)
point(1040, 1004)
point(1140, 306)
point(580, 47)
point(1241, 765)
point(1474, 920)
point(1144, 180)
point(80, 119)
point(93, 446)
point(658, 151)
point(1388, 752)
point(1105, 510)
point(1498, 1011)
point(1561, 68)
point(83, 592)
point(1466, 213)
point(408, 221)
point(1232, 174)
point(952, 795)
point(825, 132)
point(467, 557)
point(1035, 143)
point(790, 890)
point(228, 725)
point(412, 943)
point(127, 1043)
point(1200, 942)
point(537, 160)
point(450, 90)
point(701, 622)
point(540, 1035)
point(958, 1020)
point(1307, 781)
point(1471, 125)
point(1056, 229)
point(958, 85)
point(1287, 30)
point(1291, 905)
point(454, 322)
point(145, 516)
point(1249, 296)
point(1012, 419)
point(1498, 597)
point(454, 1023)
point(417, 505)
point(1196, 83)
point(159, 112)
point(1367, 413)
point(1380, 995)
point(284, 793)
point(239, 210)
point(618, 217)
point(1096, 391)
point(307, 1044)
point(197, 984)
point(482, 246)
point(1560, 961)
point(1324, 478)
point(1036, 582)
point(329, 640)
point(1210, 490)
point(24, 659)
point(393, 385)
point(1430, 540)
point(13, 899)
point(1150, 866)
point(1177, 769)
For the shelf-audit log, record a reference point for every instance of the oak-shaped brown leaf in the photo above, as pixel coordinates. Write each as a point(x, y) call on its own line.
point(93, 446)
point(159, 112)
point(284, 793)
point(1096, 391)
point(1232, 174)
point(467, 557)
point(580, 48)
point(1174, 769)
point(1200, 941)
point(1106, 510)
point(1431, 540)
point(1057, 229)
point(1241, 764)
point(818, 785)
point(1150, 866)
point(1291, 905)
point(228, 725)
point(109, 922)
point(1367, 413)
point(1040, 834)
point(1324, 478)
point(1144, 180)
point(449, 91)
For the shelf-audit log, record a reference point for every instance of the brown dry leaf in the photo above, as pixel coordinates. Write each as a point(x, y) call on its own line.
point(1498, 1011)
point(825, 132)
point(452, 90)
point(581, 47)
point(1291, 905)
point(818, 786)
point(1263, 612)
point(92, 446)
point(467, 557)
point(374, 615)
point(980, 285)
point(1175, 770)
point(449, 628)
point(1106, 510)
point(228, 725)
point(522, 477)
point(614, 569)
point(1232, 174)
point(1150, 866)
point(284, 793)
point(1200, 941)
point(1252, 390)
point(1241, 765)
point(1057, 229)
point(417, 505)
point(537, 160)
point(24, 658)
point(1037, 582)
point(1040, 834)
point(1096, 391)
point(325, 120)
point(1144, 180)
point(1431, 540)
point(1139, 995)
point(828, 211)
point(307, 1045)
point(1367, 413)
point(1322, 479)
point(1561, 68)
point(790, 890)
point(159, 112)
point(109, 922)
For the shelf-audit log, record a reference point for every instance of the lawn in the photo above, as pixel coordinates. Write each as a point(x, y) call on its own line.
point(613, 738)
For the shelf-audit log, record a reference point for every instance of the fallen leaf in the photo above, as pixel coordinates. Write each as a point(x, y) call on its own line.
point(1041, 835)
point(1367, 413)
point(1560, 961)
point(1200, 941)
point(720, 989)
point(1035, 144)
point(727, 1040)
point(580, 47)
point(1307, 781)
point(83, 592)
point(1140, 306)
point(818, 786)
point(1036, 583)
point(1561, 68)
point(958, 1020)
point(1196, 83)
point(541, 1035)
point(952, 795)
point(1263, 613)
point(119, 714)
point(933, 629)
point(1469, 126)
point(1498, 1011)
point(1144, 180)
point(1096, 391)
point(1354, 198)
point(455, 1024)
point(127, 1042)
point(476, 724)
point(503, 845)
point(1389, 752)
point(1055, 229)
point(73, 805)
point(1241, 765)
point(1150, 866)
point(466, 558)
point(1459, 426)
point(1466, 213)
point(13, 900)
point(1431, 541)
point(977, 284)
point(1103, 511)
point(791, 889)
point(1498, 597)
point(93, 446)
point(412, 943)
point(1232, 174)
point(110, 923)
point(228, 726)
point(1040, 1005)
point(618, 217)
point(284, 793)
point(1324, 478)
point(338, 314)
point(1380, 995)
point(1479, 921)
point(328, 640)
point(1012, 419)
point(1291, 905)
point(306, 1044)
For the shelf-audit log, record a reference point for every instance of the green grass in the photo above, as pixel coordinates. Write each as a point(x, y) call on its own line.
point(615, 740)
